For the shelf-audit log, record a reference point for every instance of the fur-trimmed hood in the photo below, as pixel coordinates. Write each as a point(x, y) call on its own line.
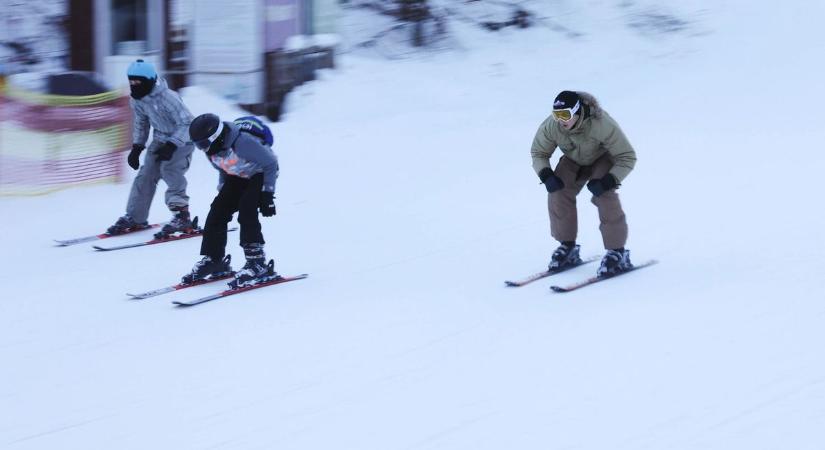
point(594, 109)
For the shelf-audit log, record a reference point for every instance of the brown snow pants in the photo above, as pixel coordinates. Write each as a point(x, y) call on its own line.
point(562, 203)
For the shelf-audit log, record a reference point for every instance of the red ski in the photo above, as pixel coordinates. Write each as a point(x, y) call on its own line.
point(596, 279)
point(67, 242)
point(547, 273)
point(173, 237)
point(277, 280)
point(180, 286)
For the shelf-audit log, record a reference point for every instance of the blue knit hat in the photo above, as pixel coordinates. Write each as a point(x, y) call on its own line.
point(140, 68)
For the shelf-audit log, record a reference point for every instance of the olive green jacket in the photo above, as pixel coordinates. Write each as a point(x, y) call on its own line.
point(595, 134)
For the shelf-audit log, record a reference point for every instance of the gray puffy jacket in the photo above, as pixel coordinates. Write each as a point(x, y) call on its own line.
point(165, 112)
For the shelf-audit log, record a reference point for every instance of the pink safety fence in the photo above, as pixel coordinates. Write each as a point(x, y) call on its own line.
point(52, 142)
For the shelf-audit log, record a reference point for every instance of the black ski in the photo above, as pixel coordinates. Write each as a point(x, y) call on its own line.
point(547, 273)
point(277, 280)
point(67, 242)
point(596, 279)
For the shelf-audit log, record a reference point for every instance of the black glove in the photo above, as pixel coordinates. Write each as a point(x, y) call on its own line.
point(550, 180)
point(601, 185)
point(164, 152)
point(134, 156)
point(266, 202)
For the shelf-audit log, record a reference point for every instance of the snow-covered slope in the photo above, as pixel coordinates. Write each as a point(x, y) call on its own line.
point(406, 192)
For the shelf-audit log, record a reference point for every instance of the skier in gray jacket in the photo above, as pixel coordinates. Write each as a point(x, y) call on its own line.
point(155, 105)
point(248, 170)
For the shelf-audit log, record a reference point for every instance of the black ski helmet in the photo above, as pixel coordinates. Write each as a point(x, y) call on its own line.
point(205, 130)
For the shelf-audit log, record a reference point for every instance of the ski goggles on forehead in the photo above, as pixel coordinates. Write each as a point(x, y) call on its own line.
point(567, 113)
point(205, 143)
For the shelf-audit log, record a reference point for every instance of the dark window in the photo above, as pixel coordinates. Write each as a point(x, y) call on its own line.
point(129, 27)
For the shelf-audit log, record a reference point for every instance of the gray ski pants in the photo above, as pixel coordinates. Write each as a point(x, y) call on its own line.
point(562, 203)
point(172, 172)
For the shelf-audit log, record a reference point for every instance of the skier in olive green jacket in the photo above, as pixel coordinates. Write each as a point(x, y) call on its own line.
point(596, 153)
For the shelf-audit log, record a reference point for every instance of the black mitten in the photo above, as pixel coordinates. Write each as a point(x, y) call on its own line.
point(134, 156)
point(164, 152)
point(550, 180)
point(601, 185)
point(266, 203)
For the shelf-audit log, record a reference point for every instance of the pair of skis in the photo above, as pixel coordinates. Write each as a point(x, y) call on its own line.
point(232, 291)
point(577, 285)
point(277, 279)
point(156, 240)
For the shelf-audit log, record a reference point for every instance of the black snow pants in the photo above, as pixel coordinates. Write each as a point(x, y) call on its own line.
point(236, 194)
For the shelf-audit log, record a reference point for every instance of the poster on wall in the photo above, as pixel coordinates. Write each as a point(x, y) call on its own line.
point(227, 48)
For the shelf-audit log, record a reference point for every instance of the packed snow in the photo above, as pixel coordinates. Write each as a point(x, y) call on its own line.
point(407, 193)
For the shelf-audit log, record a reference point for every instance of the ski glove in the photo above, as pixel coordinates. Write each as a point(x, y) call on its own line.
point(550, 180)
point(601, 185)
point(164, 152)
point(266, 202)
point(134, 156)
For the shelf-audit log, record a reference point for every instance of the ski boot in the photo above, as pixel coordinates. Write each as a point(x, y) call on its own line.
point(126, 224)
point(208, 268)
point(567, 254)
point(256, 270)
point(180, 223)
point(614, 262)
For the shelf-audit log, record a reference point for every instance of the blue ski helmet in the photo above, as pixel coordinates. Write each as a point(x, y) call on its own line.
point(142, 78)
point(141, 68)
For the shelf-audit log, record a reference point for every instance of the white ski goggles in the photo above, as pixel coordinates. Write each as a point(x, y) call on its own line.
point(205, 143)
point(567, 113)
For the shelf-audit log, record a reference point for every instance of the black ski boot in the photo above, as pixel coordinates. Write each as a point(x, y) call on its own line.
point(567, 254)
point(126, 224)
point(256, 270)
point(208, 268)
point(614, 262)
point(180, 223)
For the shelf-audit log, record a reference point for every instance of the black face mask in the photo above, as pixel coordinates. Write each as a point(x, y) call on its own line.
point(216, 146)
point(141, 86)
